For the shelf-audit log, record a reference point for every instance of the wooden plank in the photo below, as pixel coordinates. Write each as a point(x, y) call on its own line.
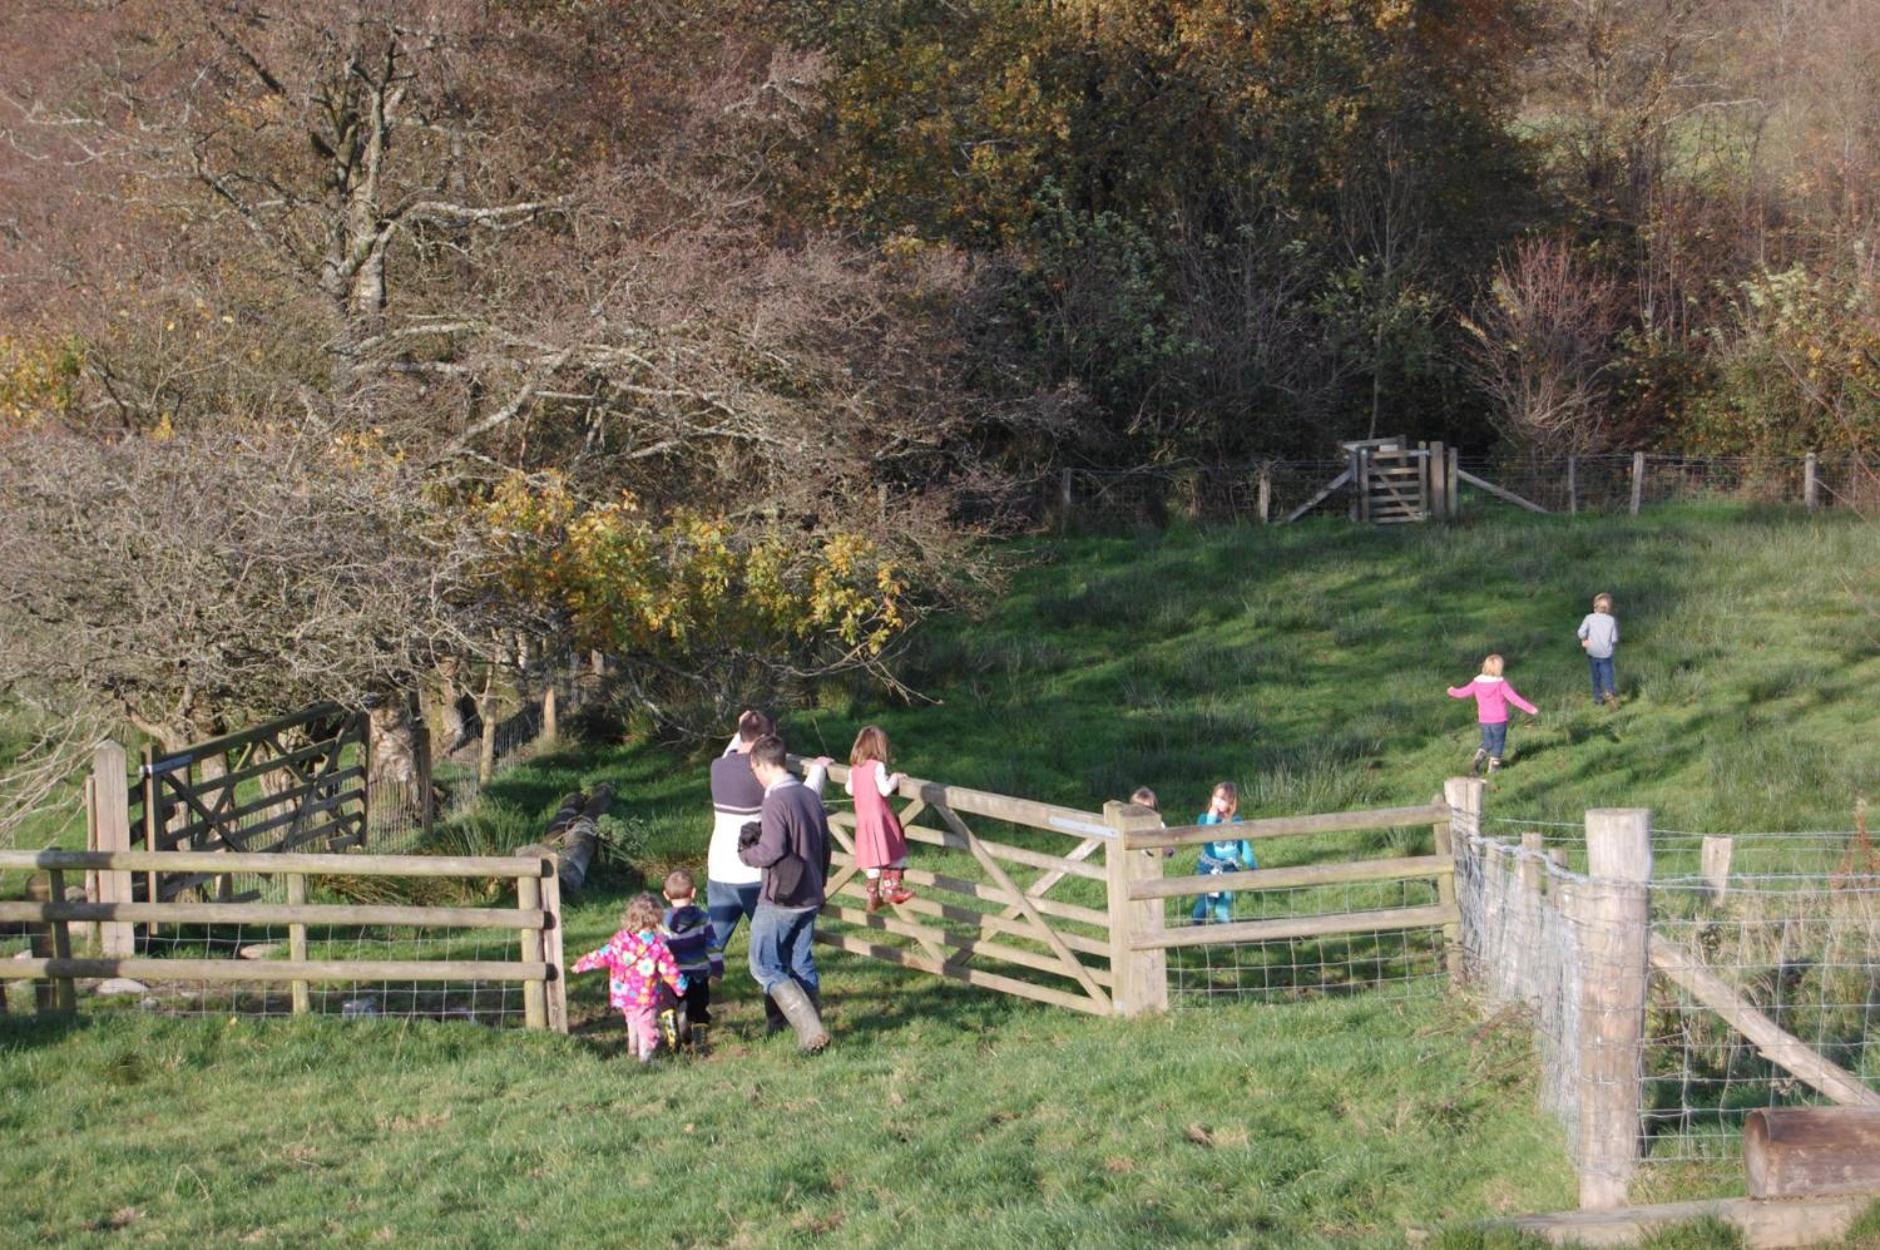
point(970, 976)
point(1381, 921)
point(1252, 882)
point(991, 922)
point(307, 807)
point(1291, 826)
point(1715, 866)
point(1046, 816)
point(334, 915)
point(1061, 864)
point(288, 762)
point(1777, 1225)
point(1780, 1047)
point(1324, 493)
point(1029, 906)
point(554, 951)
point(65, 994)
point(1793, 1152)
point(268, 862)
point(243, 737)
point(262, 971)
point(957, 941)
point(1505, 495)
point(1140, 976)
point(234, 813)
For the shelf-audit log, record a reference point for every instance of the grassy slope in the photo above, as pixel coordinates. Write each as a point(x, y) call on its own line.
point(1308, 663)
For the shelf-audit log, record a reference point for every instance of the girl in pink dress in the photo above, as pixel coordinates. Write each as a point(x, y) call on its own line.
point(880, 846)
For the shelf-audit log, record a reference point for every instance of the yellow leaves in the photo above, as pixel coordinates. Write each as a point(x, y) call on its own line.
point(38, 379)
point(626, 580)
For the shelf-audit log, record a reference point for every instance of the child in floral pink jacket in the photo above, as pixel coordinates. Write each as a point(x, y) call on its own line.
point(638, 962)
point(1492, 694)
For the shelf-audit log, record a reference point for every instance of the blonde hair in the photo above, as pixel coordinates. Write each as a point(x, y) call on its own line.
point(871, 744)
point(1491, 667)
point(1602, 598)
point(679, 884)
point(643, 912)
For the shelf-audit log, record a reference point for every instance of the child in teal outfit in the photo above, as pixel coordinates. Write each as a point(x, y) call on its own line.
point(1227, 855)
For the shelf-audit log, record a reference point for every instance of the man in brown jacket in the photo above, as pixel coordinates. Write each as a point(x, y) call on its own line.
point(792, 848)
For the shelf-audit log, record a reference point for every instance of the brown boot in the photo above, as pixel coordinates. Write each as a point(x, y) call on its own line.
point(874, 895)
point(892, 889)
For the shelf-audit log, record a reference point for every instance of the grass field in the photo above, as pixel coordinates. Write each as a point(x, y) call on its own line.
point(1307, 663)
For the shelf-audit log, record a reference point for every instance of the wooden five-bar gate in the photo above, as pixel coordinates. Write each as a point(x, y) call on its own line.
point(1050, 921)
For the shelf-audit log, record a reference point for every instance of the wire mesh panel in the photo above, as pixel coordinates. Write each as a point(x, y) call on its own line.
point(1799, 950)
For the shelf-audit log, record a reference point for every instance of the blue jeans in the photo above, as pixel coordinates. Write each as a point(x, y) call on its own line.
point(1495, 740)
point(780, 947)
point(1603, 683)
point(725, 904)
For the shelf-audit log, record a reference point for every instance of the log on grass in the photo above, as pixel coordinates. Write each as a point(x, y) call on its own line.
point(1793, 1152)
point(580, 838)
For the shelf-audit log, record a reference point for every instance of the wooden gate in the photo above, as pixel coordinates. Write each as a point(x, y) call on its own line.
point(1393, 484)
point(1048, 937)
point(293, 784)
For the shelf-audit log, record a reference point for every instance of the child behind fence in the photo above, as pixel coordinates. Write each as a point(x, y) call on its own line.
point(1222, 856)
point(638, 964)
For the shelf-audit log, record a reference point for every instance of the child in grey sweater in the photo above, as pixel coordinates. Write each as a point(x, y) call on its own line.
point(1599, 637)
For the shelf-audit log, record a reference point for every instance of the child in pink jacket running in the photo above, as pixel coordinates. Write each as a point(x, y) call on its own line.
point(639, 967)
point(1492, 694)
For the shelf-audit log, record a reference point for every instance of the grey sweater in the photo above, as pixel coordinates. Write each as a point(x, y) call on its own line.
point(794, 823)
point(1601, 631)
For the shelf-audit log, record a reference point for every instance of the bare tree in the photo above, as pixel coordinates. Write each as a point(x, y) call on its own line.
point(1543, 346)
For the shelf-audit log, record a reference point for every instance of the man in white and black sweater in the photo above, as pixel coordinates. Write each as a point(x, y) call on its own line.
point(731, 885)
point(792, 851)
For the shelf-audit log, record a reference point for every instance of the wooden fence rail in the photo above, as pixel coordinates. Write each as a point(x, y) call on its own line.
point(536, 919)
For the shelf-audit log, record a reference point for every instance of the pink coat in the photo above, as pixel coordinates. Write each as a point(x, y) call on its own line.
point(1492, 696)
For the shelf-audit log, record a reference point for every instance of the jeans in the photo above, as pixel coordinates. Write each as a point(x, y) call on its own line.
point(725, 904)
point(1603, 683)
point(1495, 739)
point(780, 947)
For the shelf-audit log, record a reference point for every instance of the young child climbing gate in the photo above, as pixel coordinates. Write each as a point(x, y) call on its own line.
point(880, 844)
point(638, 963)
point(1492, 693)
point(1221, 856)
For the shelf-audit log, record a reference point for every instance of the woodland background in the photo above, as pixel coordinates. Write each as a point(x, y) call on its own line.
point(390, 352)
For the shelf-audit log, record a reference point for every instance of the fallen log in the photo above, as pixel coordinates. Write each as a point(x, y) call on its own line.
point(578, 841)
point(1792, 1152)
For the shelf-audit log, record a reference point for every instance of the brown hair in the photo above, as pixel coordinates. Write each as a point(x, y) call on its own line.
point(1228, 788)
point(754, 725)
point(679, 884)
point(1144, 797)
point(871, 744)
point(643, 912)
point(770, 750)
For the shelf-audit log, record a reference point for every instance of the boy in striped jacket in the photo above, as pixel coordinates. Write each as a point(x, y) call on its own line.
point(688, 932)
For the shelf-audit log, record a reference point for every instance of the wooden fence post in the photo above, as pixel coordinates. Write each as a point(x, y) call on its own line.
point(1444, 845)
point(1265, 493)
point(534, 994)
point(554, 952)
point(1436, 469)
point(1614, 921)
point(1139, 978)
point(1573, 485)
point(297, 940)
point(1715, 866)
point(1364, 483)
point(1451, 473)
point(421, 752)
point(110, 773)
point(65, 991)
point(1811, 481)
point(551, 728)
point(1357, 489)
point(1638, 480)
point(1066, 498)
point(1463, 796)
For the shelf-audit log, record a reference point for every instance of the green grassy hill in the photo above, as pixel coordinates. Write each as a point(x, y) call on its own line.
point(1307, 663)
